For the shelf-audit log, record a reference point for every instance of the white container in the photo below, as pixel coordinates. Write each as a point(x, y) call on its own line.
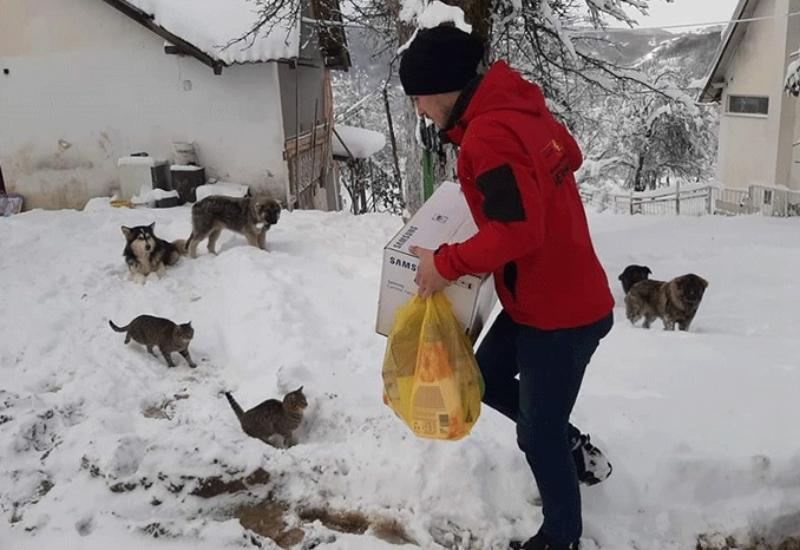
point(185, 153)
point(136, 175)
point(444, 218)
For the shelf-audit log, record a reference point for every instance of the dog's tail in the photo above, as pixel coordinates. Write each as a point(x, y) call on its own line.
point(115, 328)
point(235, 406)
point(182, 246)
point(187, 242)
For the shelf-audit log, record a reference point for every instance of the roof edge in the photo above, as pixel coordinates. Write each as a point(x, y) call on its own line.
point(146, 20)
point(711, 91)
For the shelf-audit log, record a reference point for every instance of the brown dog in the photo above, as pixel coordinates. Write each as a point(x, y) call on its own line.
point(674, 302)
point(242, 215)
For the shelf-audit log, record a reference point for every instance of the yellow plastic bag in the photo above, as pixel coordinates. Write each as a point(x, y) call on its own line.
point(430, 377)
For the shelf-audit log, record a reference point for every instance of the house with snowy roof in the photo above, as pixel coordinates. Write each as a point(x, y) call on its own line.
point(759, 130)
point(87, 82)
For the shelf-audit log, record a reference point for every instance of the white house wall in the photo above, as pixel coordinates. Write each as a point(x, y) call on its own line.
point(788, 42)
point(87, 85)
point(744, 139)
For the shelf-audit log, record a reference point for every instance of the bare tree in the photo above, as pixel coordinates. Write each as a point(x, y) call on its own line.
point(552, 41)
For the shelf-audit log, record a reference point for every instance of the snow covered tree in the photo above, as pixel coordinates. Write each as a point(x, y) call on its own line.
point(645, 139)
point(792, 82)
point(538, 36)
point(373, 184)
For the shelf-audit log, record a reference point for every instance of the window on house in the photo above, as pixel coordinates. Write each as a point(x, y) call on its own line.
point(748, 105)
point(767, 197)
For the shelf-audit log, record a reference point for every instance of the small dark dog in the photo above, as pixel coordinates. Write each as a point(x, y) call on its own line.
point(632, 275)
point(674, 302)
point(145, 253)
point(242, 215)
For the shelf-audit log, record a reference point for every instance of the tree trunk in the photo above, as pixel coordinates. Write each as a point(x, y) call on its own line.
point(478, 14)
point(412, 190)
point(413, 185)
point(637, 177)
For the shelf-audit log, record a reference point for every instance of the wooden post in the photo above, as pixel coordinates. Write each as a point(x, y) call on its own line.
point(710, 200)
point(290, 199)
point(678, 197)
point(314, 149)
point(395, 158)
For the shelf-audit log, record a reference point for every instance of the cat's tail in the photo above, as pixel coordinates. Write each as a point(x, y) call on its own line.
point(234, 405)
point(116, 328)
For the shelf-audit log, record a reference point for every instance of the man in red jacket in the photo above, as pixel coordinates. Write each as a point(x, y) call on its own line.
point(515, 167)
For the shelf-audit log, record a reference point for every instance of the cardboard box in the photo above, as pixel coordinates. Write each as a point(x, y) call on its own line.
point(444, 218)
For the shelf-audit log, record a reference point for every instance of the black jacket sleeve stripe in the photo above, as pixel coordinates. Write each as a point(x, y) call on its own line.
point(502, 201)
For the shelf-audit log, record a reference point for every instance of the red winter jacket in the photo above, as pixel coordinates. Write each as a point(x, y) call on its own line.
point(516, 167)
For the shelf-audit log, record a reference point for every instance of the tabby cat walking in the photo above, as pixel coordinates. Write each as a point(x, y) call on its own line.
point(167, 336)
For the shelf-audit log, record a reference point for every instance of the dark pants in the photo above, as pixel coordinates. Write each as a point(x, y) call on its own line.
point(550, 365)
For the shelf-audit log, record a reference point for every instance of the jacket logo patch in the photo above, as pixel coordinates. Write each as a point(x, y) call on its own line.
point(502, 201)
point(555, 160)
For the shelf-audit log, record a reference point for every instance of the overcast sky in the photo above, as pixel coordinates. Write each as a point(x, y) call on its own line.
point(686, 11)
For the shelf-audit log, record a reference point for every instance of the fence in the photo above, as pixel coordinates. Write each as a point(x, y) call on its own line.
point(701, 200)
point(775, 201)
point(690, 202)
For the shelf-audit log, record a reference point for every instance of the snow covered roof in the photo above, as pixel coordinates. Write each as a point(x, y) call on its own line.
point(359, 143)
point(209, 25)
point(712, 90)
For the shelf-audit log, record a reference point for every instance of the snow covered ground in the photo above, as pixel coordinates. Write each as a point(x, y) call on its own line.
point(102, 446)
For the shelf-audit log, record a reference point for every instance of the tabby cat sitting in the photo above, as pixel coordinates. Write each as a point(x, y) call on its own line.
point(272, 417)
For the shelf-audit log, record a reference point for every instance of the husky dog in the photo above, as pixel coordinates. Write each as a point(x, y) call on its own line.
point(675, 301)
point(242, 215)
point(167, 336)
point(145, 253)
point(632, 275)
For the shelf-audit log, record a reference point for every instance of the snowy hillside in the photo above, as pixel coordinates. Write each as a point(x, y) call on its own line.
point(102, 446)
point(691, 51)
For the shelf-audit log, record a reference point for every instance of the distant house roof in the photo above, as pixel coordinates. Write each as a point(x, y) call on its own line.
point(712, 90)
point(358, 143)
point(204, 28)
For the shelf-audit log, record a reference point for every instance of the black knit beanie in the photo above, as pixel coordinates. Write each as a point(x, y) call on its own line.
point(440, 60)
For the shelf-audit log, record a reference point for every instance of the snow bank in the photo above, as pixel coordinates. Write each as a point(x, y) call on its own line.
point(700, 426)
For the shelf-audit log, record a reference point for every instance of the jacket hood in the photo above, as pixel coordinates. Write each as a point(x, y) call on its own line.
point(500, 89)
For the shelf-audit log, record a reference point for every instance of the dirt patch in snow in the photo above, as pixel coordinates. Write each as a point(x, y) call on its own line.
point(718, 542)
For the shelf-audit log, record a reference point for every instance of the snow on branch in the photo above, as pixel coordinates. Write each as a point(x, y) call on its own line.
point(426, 15)
point(615, 9)
point(792, 83)
point(555, 24)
